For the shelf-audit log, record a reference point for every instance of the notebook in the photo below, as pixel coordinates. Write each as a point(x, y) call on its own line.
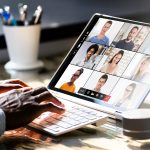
point(106, 72)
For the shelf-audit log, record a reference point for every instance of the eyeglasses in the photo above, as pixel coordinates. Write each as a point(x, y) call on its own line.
point(128, 90)
point(76, 75)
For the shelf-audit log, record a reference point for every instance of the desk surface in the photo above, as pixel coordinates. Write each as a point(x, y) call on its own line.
point(106, 137)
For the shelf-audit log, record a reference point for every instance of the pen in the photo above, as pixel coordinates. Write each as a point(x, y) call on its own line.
point(36, 19)
point(6, 14)
point(25, 7)
point(1, 15)
point(12, 21)
point(23, 13)
point(39, 8)
point(8, 18)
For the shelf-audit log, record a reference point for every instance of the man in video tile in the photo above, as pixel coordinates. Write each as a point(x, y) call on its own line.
point(102, 80)
point(70, 86)
point(101, 38)
point(128, 43)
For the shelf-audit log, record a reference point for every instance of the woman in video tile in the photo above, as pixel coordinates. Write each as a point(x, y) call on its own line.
point(87, 62)
point(112, 66)
point(127, 95)
point(142, 74)
point(97, 56)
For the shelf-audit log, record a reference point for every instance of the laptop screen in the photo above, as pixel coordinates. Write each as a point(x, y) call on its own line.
point(109, 64)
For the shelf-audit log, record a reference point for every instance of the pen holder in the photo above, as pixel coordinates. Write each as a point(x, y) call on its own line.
point(23, 46)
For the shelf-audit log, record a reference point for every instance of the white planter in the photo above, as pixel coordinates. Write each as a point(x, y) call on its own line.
point(23, 46)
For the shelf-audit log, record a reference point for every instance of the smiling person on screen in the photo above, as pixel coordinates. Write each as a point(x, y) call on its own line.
point(101, 38)
point(112, 65)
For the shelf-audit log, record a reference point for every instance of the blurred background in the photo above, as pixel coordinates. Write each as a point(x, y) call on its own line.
point(63, 21)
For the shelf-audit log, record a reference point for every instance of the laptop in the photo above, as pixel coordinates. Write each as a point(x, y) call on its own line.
point(106, 72)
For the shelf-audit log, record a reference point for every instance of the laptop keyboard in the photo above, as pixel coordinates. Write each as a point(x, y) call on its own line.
point(73, 118)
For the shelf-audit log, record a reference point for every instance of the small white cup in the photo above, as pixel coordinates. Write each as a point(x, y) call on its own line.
point(23, 46)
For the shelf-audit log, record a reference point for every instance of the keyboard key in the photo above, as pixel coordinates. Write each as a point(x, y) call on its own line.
point(83, 120)
point(91, 117)
point(78, 118)
point(55, 128)
point(71, 115)
point(63, 124)
point(70, 121)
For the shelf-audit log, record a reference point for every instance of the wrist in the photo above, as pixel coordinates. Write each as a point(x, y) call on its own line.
point(2, 122)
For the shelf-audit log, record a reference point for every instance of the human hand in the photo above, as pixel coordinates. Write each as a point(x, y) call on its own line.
point(21, 106)
point(7, 85)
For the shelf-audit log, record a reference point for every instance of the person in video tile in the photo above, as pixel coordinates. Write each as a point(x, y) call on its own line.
point(87, 62)
point(70, 86)
point(102, 80)
point(101, 38)
point(128, 43)
point(125, 100)
point(111, 67)
point(142, 74)
point(97, 56)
